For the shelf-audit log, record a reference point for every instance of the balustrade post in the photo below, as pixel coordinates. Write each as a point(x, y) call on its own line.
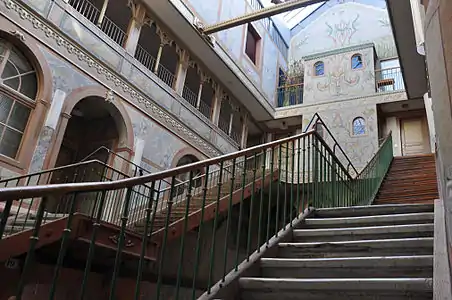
point(102, 13)
point(138, 20)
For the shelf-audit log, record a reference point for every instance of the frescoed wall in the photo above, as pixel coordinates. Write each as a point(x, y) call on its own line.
point(264, 74)
point(343, 24)
point(341, 78)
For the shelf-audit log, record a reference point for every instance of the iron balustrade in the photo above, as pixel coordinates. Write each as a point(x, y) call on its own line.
point(389, 80)
point(289, 95)
point(145, 58)
point(205, 109)
point(190, 96)
point(92, 13)
point(238, 203)
point(166, 76)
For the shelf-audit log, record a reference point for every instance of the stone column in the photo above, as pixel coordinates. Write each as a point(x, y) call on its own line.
point(137, 21)
point(244, 131)
point(164, 41)
point(182, 69)
point(217, 99)
point(102, 13)
point(204, 79)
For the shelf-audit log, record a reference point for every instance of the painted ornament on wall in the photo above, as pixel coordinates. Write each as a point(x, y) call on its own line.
point(342, 32)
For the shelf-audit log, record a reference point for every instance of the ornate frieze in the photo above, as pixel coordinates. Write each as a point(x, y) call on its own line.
point(116, 83)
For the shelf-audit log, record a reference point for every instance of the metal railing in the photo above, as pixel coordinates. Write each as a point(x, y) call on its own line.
point(145, 58)
point(289, 95)
point(190, 96)
point(166, 76)
point(205, 109)
point(92, 13)
point(237, 203)
point(390, 79)
point(223, 125)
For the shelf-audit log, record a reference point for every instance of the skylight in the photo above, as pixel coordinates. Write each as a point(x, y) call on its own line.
point(292, 18)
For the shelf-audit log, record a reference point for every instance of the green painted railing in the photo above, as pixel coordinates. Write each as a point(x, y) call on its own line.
point(191, 235)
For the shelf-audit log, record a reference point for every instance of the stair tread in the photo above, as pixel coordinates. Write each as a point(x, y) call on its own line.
point(365, 284)
point(364, 230)
point(340, 262)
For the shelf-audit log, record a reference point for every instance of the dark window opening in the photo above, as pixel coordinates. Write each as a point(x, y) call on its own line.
point(252, 43)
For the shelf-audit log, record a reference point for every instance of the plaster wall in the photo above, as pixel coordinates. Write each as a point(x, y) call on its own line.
point(264, 74)
point(342, 25)
point(438, 40)
point(358, 148)
point(339, 79)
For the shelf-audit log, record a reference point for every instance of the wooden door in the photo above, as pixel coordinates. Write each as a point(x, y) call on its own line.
point(414, 133)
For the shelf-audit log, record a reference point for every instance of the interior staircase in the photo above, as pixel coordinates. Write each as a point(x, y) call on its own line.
point(178, 209)
point(411, 179)
point(368, 252)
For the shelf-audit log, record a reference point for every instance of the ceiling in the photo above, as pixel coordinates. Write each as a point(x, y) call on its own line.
point(412, 63)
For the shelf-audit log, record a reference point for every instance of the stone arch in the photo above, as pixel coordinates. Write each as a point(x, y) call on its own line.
point(187, 151)
point(27, 45)
point(115, 108)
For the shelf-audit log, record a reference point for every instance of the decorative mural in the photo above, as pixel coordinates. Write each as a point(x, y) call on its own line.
point(340, 25)
point(339, 79)
point(359, 148)
point(342, 32)
point(160, 145)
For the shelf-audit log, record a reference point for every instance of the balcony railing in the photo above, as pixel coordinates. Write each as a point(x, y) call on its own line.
point(190, 96)
point(92, 13)
point(223, 125)
point(390, 79)
point(205, 109)
point(288, 95)
point(145, 58)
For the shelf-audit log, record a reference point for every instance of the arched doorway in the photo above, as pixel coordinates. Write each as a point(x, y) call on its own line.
point(93, 123)
point(182, 179)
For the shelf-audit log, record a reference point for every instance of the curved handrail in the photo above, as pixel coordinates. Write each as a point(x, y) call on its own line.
point(318, 119)
point(38, 191)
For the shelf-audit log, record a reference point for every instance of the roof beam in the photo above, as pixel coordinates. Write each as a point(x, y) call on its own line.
point(258, 15)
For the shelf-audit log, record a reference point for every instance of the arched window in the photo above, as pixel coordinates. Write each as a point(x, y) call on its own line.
point(319, 68)
point(357, 61)
point(18, 88)
point(359, 126)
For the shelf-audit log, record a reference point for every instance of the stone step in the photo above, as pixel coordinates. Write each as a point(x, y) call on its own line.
point(392, 219)
point(348, 267)
point(363, 233)
point(360, 248)
point(372, 210)
point(336, 288)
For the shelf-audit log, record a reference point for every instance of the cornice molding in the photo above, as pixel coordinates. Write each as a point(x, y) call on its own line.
point(338, 51)
point(116, 81)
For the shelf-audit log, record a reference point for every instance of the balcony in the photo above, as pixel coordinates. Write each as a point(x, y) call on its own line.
point(291, 92)
point(389, 80)
point(156, 52)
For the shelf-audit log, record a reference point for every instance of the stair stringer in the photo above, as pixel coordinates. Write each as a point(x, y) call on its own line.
point(229, 288)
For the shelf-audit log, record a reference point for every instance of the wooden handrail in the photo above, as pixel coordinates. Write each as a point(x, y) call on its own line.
point(61, 189)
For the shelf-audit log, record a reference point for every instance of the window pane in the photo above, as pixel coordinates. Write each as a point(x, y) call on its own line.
point(5, 107)
point(319, 70)
point(19, 117)
point(11, 71)
point(357, 62)
point(29, 86)
point(19, 60)
point(10, 143)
